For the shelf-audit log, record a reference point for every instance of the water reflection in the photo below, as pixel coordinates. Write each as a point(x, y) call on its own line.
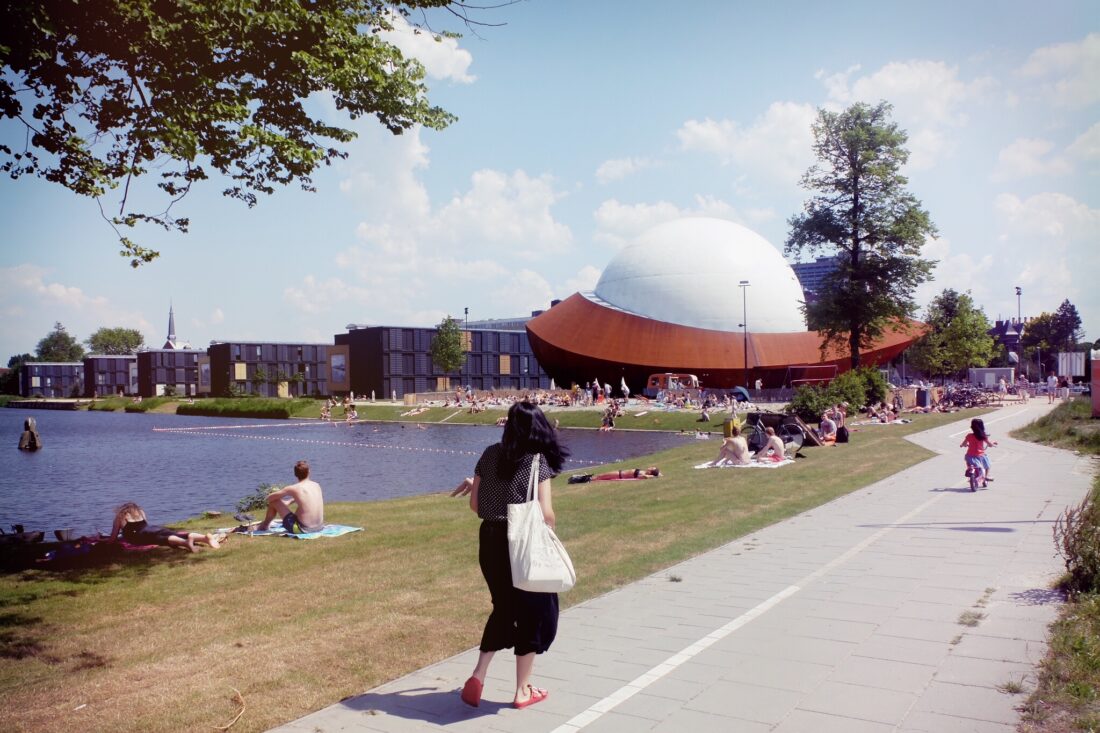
point(177, 466)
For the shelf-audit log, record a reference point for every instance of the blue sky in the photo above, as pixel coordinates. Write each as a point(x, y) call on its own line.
point(583, 124)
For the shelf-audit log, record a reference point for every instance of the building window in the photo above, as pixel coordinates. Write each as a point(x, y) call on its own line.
point(505, 364)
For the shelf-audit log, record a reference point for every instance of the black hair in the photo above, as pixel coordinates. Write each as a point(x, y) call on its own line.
point(527, 431)
point(977, 426)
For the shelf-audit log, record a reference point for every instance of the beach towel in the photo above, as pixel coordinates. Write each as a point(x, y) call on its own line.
point(754, 464)
point(330, 530)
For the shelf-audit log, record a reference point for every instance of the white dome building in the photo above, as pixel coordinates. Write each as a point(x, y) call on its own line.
point(687, 272)
point(671, 302)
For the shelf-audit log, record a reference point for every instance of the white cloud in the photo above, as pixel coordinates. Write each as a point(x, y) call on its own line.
point(618, 223)
point(411, 257)
point(26, 290)
point(31, 279)
point(777, 145)
point(928, 97)
point(1026, 157)
point(441, 56)
point(1048, 245)
point(584, 279)
point(1087, 144)
point(959, 271)
point(1069, 73)
point(1052, 217)
point(619, 168)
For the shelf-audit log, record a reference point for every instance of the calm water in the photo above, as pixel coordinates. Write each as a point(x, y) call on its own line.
point(176, 466)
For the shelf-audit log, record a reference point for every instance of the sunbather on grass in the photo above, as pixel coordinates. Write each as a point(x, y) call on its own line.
point(130, 520)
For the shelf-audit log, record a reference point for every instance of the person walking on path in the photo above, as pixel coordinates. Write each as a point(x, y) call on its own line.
point(1052, 388)
point(527, 622)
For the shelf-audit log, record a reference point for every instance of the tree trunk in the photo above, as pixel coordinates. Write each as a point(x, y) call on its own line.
point(853, 344)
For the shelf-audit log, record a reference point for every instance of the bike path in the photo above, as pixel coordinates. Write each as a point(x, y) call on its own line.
point(849, 617)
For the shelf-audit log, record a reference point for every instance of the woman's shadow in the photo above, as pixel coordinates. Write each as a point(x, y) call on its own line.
point(430, 704)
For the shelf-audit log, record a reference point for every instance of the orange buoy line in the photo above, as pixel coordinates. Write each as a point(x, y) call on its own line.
point(346, 443)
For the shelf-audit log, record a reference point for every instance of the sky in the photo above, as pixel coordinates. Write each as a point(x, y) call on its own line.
point(580, 126)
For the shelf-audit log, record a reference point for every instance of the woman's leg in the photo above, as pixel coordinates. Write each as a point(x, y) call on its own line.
point(525, 664)
point(499, 630)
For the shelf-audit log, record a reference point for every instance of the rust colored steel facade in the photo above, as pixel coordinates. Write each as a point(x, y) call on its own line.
point(578, 340)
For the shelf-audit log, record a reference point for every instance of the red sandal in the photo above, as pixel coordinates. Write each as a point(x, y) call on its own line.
point(537, 695)
point(471, 692)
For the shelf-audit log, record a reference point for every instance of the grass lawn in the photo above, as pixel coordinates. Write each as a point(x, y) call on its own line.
point(1067, 697)
point(162, 641)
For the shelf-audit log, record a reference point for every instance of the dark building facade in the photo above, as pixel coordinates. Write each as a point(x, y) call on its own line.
point(51, 379)
point(269, 369)
point(161, 369)
point(811, 274)
point(389, 361)
point(106, 375)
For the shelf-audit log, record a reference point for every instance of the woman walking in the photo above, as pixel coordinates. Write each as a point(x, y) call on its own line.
point(526, 621)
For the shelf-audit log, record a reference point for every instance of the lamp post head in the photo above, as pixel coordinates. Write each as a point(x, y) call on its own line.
point(1019, 291)
point(743, 283)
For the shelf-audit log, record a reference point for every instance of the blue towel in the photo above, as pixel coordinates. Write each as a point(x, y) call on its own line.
point(330, 530)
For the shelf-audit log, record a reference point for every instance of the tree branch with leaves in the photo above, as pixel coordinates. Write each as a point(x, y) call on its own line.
point(112, 91)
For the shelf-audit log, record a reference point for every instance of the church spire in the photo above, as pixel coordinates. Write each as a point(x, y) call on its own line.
point(171, 323)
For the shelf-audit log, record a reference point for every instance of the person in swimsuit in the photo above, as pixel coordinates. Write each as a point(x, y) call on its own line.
point(637, 473)
point(733, 451)
point(130, 520)
point(308, 514)
point(773, 450)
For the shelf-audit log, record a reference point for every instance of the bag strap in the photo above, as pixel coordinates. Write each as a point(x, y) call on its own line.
point(533, 480)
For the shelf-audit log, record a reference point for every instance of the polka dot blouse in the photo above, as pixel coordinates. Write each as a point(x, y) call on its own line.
point(494, 494)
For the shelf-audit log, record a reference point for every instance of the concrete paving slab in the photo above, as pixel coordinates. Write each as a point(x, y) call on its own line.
point(801, 721)
point(840, 619)
point(933, 723)
point(968, 701)
point(885, 674)
point(858, 701)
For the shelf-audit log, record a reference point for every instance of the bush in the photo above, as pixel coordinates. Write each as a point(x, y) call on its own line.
point(848, 387)
point(810, 402)
point(1077, 538)
point(257, 500)
point(874, 385)
point(261, 407)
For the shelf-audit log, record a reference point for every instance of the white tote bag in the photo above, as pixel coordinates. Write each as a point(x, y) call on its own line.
point(540, 563)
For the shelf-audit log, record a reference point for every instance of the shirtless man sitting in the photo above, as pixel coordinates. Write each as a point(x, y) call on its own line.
point(773, 450)
point(309, 513)
point(734, 450)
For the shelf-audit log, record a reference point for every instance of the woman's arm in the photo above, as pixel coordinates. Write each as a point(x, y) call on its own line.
point(475, 484)
point(546, 502)
point(463, 488)
point(116, 528)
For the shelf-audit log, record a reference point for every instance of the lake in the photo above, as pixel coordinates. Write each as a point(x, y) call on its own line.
point(177, 467)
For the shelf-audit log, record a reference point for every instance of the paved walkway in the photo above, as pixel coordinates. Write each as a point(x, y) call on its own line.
point(847, 618)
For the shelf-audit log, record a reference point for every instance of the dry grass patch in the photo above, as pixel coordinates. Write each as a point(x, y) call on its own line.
point(159, 643)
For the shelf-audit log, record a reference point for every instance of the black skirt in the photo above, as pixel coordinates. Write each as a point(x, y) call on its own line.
point(521, 619)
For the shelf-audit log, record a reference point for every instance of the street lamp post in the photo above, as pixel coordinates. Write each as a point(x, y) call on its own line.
point(1020, 329)
point(744, 284)
point(465, 336)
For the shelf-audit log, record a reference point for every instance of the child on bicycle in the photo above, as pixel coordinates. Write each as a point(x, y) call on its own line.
point(977, 462)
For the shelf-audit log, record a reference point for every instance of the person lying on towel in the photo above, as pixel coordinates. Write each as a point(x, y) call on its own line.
point(637, 473)
point(308, 514)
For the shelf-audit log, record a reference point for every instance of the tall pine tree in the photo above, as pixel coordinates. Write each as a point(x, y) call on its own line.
point(861, 212)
